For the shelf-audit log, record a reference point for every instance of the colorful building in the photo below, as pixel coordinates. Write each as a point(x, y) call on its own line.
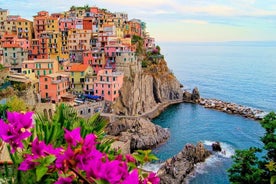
point(53, 86)
point(24, 29)
point(28, 68)
point(133, 27)
point(3, 14)
point(95, 58)
point(40, 22)
point(108, 84)
point(45, 66)
point(78, 74)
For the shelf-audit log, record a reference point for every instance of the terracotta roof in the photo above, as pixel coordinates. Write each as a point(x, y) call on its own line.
point(8, 45)
point(23, 20)
point(79, 67)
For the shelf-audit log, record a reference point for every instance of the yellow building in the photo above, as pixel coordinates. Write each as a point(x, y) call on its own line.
point(52, 24)
point(28, 68)
point(78, 74)
point(24, 28)
point(3, 14)
point(79, 39)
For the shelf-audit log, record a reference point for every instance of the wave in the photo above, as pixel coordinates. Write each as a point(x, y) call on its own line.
point(227, 150)
point(154, 167)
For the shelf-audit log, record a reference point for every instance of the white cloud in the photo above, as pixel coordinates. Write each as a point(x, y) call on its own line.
point(194, 21)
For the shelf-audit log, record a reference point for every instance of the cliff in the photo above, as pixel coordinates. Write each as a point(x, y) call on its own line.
point(144, 88)
point(141, 133)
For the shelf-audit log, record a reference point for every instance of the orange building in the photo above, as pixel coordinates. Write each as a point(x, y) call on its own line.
point(53, 86)
point(40, 22)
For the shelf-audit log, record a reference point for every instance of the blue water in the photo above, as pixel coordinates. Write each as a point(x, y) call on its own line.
point(240, 73)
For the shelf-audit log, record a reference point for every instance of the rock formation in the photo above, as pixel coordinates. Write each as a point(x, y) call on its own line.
point(143, 89)
point(176, 169)
point(141, 132)
point(193, 97)
point(216, 146)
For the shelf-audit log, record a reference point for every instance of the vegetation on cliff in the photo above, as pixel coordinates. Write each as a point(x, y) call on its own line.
point(248, 167)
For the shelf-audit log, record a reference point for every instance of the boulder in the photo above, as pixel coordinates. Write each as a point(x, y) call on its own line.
point(216, 146)
point(142, 133)
point(195, 95)
point(177, 168)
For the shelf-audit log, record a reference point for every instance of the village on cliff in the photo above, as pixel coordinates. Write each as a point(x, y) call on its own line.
point(75, 56)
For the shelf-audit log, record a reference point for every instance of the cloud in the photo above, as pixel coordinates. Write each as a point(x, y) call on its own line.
point(194, 21)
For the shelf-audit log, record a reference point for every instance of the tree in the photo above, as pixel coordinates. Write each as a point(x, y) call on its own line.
point(16, 104)
point(245, 168)
point(269, 139)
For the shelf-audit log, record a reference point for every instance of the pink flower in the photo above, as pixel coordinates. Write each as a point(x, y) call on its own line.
point(15, 130)
point(28, 163)
point(152, 178)
point(73, 137)
point(114, 171)
point(130, 158)
point(63, 161)
point(20, 120)
point(89, 143)
point(67, 180)
point(133, 178)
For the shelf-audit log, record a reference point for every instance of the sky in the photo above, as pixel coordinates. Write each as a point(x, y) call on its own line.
point(177, 20)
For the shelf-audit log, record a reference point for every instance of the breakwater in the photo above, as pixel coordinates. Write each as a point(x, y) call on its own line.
point(232, 108)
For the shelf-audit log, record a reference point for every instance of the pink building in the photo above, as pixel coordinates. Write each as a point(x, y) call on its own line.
point(108, 84)
point(53, 86)
point(66, 24)
point(94, 58)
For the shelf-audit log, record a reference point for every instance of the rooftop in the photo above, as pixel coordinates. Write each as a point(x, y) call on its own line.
point(78, 67)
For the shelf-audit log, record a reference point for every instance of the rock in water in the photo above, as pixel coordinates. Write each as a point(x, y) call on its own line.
point(176, 169)
point(216, 146)
point(195, 95)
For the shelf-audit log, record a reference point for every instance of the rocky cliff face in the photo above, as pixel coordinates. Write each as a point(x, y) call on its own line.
point(176, 169)
point(141, 132)
point(145, 88)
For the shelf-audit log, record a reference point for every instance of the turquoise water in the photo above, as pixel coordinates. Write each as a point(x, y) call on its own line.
point(239, 73)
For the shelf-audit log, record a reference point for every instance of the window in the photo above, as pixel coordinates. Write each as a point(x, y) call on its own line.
point(114, 78)
point(72, 73)
point(82, 73)
point(108, 85)
point(46, 86)
point(115, 92)
point(102, 92)
point(108, 92)
point(45, 79)
point(46, 95)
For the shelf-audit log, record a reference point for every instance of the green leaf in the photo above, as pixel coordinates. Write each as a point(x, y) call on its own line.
point(272, 179)
point(40, 172)
point(49, 159)
point(101, 182)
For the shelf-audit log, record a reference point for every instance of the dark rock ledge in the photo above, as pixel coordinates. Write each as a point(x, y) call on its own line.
point(177, 168)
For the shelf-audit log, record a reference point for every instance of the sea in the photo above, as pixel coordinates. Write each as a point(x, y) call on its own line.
point(239, 72)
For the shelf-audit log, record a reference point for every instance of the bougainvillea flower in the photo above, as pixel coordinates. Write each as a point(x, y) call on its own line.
point(73, 137)
point(114, 171)
point(28, 163)
point(85, 159)
point(132, 178)
point(6, 131)
point(89, 143)
point(130, 158)
point(152, 178)
point(66, 159)
point(61, 180)
point(20, 120)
